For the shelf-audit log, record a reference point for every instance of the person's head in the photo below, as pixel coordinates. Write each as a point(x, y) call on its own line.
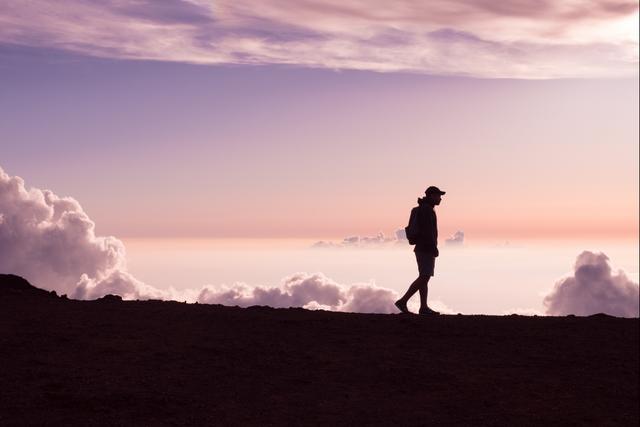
point(433, 195)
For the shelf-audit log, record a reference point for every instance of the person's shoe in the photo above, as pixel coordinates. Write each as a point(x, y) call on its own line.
point(426, 311)
point(402, 306)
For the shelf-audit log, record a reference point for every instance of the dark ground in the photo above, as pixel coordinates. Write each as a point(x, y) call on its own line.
point(107, 362)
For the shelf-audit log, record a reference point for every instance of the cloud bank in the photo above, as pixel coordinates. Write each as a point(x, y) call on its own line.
point(380, 240)
point(593, 289)
point(312, 291)
point(377, 241)
point(50, 241)
point(515, 39)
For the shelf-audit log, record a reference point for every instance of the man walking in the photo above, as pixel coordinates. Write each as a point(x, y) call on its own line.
point(426, 250)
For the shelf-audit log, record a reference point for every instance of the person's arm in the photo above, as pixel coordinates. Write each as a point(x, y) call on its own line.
point(428, 238)
point(434, 237)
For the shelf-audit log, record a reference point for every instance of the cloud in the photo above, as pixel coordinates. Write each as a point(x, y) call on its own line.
point(456, 240)
point(516, 39)
point(377, 241)
point(50, 241)
point(593, 289)
point(118, 282)
point(313, 291)
point(370, 299)
point(381, 241)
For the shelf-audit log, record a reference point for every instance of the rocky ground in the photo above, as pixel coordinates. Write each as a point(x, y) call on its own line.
point(109, 362)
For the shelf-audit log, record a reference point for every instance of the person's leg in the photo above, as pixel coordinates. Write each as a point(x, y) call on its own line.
point(424, 291)
point(417, 285)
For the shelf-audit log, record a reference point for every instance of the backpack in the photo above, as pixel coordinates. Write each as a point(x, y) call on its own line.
point(412, 230)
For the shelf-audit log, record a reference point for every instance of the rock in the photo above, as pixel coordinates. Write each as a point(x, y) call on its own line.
point(110, 298)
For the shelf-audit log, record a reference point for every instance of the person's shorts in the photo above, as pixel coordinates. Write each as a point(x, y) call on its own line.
point(426, 263)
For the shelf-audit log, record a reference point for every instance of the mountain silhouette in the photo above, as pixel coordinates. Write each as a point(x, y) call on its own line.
point(12, 285)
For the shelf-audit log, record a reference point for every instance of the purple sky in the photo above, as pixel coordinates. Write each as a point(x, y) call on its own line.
point(326, 119)
point(520, 39)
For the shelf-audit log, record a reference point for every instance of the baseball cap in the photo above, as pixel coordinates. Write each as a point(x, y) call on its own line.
point(434, 190)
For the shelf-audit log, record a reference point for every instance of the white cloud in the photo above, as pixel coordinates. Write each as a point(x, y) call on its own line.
point(381, 241)
point(456, 240)
point(313, 291)
point(315, 306)
point(50, 241)
point(117, 283)
point(370, 299)
point(593, 289)
point(515, 39)
point(377, 241)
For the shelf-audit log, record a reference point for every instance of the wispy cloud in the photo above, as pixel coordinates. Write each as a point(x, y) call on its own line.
point(520, 39)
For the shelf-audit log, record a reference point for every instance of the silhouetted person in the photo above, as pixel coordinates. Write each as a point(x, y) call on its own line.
point(423, 232)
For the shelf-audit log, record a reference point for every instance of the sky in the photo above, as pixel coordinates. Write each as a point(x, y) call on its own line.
point(315, 120)
point(325, 119)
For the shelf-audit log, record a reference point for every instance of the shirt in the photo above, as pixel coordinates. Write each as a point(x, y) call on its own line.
point(428, 226)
